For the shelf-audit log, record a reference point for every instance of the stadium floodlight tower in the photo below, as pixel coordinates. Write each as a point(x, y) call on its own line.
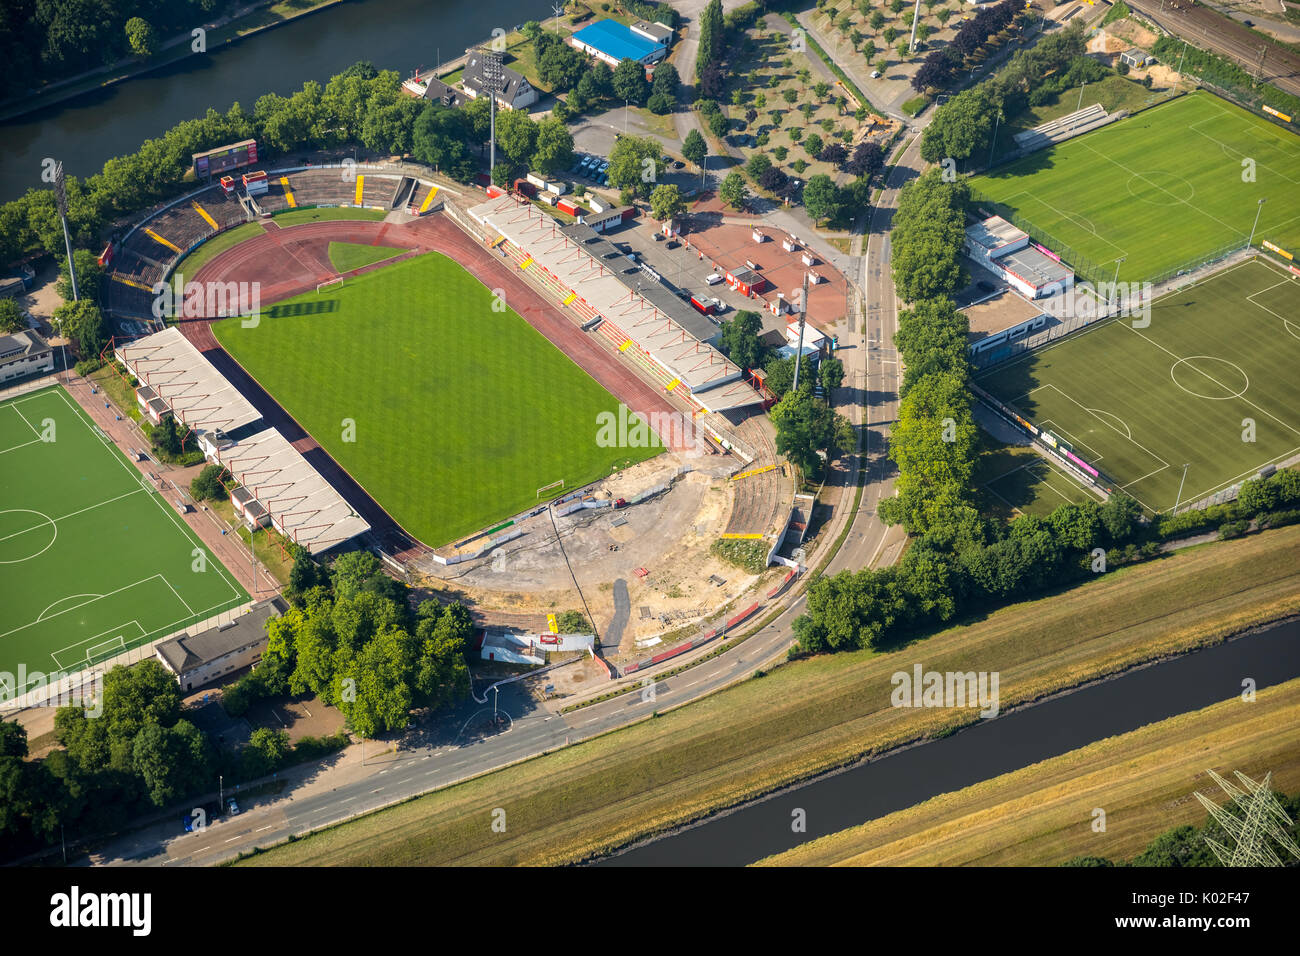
point(916, 18)
point(494, 81)
point(61, 200)
point(1261, 824)
point(803, 317)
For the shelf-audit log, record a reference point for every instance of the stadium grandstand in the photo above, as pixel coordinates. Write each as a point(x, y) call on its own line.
point(175, 379)
point(150, 251)
point(278, 486)
point(581, 273)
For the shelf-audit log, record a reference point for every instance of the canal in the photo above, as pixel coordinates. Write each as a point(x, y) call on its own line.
point(988, 749)
point(396, 35)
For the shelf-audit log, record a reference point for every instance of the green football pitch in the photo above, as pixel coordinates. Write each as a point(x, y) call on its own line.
point(1210, 383)
point(1161, 189)
point(94, 561)
point(451, 414)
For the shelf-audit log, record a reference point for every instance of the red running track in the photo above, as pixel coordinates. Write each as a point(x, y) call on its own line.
point(291, 261)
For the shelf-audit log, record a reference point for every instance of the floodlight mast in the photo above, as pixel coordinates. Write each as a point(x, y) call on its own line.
point(61, 200)
point(803, 316)
point(494, 81)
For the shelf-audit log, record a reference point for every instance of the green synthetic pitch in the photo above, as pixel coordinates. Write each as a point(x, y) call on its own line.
point(1017, 480)
point(94, 561)
point(346, 256)
point(1138, 403)
point(459, 413)
point(1161, 189)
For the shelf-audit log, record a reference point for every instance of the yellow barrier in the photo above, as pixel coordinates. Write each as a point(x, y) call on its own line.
point(204, 213)
point(738, 536)
point(361, 182)
point(752, 472)
point(288, 193)
point(170, 245)
point(132, 283)
point(429, 199)
point(569, 298)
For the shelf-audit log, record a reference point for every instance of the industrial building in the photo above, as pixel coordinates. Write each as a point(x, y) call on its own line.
point(612, 42)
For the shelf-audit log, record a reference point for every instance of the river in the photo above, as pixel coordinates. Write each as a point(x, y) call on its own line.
point(393, 34)
point(989, 748)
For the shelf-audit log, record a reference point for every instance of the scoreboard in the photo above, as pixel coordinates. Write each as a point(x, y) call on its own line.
point(217, 161)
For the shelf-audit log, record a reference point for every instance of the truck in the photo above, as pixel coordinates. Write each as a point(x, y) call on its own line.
point(705, 306)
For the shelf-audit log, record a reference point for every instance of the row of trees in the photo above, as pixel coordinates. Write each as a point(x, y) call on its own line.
point(139, 754)
point(360, 105)
point(963, 126)
point(45, 40)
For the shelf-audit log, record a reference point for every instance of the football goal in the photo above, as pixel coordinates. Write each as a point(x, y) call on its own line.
point(335, 283)
point(545, 488)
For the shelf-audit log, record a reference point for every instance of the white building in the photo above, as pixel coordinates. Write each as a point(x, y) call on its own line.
point(24, 353)
point(1031, 269)
point(198, 659)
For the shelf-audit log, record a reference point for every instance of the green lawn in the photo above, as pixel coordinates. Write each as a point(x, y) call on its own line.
point(346, 256)
point(295, 217)
point(92, 559)
point(1138, 403)
point(460, 412)
point(218, 244)
point(1161, 189)
point(1016, 480)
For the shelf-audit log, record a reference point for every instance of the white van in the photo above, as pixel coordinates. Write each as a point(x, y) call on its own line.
point(713, 279)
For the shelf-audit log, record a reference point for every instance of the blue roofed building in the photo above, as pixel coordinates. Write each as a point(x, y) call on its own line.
point(613, 42)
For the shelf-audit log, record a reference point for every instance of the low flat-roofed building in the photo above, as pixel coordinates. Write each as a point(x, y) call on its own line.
point(24, 353)
point(612, 42)
point(1001, 319)
point(1008, 253)
point(198, 659)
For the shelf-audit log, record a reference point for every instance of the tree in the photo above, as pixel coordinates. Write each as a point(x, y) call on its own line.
point(89, 274)
point(666, 202)
point(516, 136)
point(140, 36)
point(774, 180)
point(660, 104)
point(820, 89)
point(820, 198)
point(831, 373)
point(833, 153)
point(441, 139)
point(877, 21)
point(718, 125)
point(85, 324)
point(805, 426)
point(869, 49)
point(167, 438)
point(733, 191)
point(890, 35)
point(666, 82)
point(866, 160)
point(740, 340)
point(207, 484)
point(694, 148)
point(630, 83)
point(11, 317)
point(635, 165)
point(554, 148)
point(758, 164)
point(813, 144)
point(266, 752)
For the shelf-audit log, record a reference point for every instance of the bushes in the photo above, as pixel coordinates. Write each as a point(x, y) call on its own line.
point(748, 555)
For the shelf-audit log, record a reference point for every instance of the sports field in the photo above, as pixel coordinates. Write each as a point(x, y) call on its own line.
point(1160, 189)
point(459, 413)
point(93, 560)
point(1138, 403)
point(1019, 481)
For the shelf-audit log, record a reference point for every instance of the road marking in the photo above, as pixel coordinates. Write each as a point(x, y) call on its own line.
point(234, 838)
point(269, 826)
point(377, 790)
point(347, 800)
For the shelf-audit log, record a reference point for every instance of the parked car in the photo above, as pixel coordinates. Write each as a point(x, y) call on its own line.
point(714, 279)
point(232, 806)
point(674, 244)
point(603, 166)
point(875, 74)
point(678, 164)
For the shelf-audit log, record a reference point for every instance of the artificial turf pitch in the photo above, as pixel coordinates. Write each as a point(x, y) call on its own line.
point(94, 561)
point(1161, 189)
point(1211, 383)
point(458, 412)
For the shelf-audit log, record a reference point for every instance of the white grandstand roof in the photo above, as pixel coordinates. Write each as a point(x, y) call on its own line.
point(702, 368)
point(193, 389)
point(302, 504)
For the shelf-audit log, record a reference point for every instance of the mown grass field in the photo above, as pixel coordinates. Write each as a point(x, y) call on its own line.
point(812, 716)
point(459, 412)
point(93, 561)
point(296, 217)
point(346, 256)
point(1159, 189)
point(1043, 815)
point(1139, 403)
point(1014, 480)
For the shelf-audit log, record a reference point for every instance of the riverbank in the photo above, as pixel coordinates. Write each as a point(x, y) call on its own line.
point(247, 21)
point(811, 717)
